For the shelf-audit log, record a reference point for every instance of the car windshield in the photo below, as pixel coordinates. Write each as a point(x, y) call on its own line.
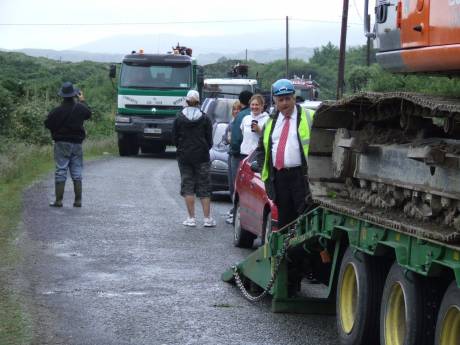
point(219, 132)
point(156, 76)
point(220, 110)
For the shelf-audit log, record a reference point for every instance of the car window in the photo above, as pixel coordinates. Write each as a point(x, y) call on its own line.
point(219, 131)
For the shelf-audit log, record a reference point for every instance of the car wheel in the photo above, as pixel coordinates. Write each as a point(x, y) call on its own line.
point(242, 238)
point(266, 227)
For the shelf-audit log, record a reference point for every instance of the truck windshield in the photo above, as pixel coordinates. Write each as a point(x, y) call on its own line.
point(156, 76)
point(224, 91)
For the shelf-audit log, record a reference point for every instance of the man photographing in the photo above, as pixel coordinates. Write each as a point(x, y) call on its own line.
point(66, 126)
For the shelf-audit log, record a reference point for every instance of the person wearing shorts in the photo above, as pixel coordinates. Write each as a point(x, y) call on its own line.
point(192, 135)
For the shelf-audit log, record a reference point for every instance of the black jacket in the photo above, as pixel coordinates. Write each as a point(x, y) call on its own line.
point(192, 135)
point(66, 121)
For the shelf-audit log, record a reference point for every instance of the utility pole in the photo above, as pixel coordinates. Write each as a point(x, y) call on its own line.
point(246, 55)
point(368, 40)
point(343, 47)
point(287, 47)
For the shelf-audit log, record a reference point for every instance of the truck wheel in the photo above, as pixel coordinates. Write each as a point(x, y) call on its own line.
point(359, 291)
point(134, 148)
point(448, 324)
point(267, 227)
point(242, 238)
point(124, 147)
point(406, 314)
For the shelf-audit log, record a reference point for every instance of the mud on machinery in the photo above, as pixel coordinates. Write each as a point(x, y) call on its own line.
point(384, 170)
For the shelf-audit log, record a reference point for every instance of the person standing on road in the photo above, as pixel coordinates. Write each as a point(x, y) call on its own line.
point(234, 152)
point(236, 107)
point(283, 150)
point(66, 126)
point(251, 126)
point(192, 135)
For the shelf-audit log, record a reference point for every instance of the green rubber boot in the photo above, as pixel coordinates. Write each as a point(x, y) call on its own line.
point(59, 191)
point(78, 191)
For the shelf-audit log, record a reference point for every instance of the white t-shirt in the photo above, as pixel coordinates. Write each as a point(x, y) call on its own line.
point(292, 151)
point(251, 139)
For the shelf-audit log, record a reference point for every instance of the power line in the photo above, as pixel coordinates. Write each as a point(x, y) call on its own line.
point(356, 9)
point(323, 21)
point(174, 22)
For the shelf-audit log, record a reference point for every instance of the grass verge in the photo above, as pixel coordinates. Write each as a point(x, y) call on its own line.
point(20, 166)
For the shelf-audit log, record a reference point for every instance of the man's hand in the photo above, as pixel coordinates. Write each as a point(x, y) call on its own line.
point(80, 96)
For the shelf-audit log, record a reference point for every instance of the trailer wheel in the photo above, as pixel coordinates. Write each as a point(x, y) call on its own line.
point(242, 238)
point(448, 324)
point(359, 292)
point(267, 227)
point(406, 313)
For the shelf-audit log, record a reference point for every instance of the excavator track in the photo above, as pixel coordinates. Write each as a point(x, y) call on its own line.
point(373, 106)
point(390, 220)
point(396, 154)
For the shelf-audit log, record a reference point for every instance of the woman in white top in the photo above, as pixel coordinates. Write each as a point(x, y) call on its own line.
point(252, 125)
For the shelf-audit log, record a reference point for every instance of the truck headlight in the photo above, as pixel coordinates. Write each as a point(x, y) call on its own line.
point(219, 165)
point(123, 119)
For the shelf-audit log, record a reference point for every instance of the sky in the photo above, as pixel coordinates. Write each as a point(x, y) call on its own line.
point(38, 24)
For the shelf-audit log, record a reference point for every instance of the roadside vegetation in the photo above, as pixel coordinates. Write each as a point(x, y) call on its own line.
point(28, 91)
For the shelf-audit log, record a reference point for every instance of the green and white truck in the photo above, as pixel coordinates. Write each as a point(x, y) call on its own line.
point(151, 90)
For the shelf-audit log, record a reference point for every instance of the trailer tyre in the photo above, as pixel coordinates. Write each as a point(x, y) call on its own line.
point(448, 324)
point(242, 238)
point(359, 292)
point(406, 314)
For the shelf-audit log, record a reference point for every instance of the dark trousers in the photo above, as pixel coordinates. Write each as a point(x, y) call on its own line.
point(290, 192)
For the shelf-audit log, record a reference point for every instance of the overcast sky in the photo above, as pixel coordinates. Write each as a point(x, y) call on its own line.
point(37, 22)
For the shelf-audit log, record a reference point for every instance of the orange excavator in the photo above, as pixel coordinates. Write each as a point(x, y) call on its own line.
point(418, 35)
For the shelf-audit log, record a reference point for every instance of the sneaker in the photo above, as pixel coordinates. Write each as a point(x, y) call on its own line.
point(229, 220)
point(209, 222)
point(189, 222)
point(230, 213)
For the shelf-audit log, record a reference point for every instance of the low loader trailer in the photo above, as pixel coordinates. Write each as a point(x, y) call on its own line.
point(386, 283)
point(383, 237)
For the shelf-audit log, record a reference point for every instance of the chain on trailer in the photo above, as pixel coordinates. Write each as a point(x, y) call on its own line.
point(279, 259)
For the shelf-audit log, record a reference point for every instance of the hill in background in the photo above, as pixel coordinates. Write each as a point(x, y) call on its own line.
point(261, 56)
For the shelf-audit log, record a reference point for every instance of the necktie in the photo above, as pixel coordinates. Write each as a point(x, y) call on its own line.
point(279, 161)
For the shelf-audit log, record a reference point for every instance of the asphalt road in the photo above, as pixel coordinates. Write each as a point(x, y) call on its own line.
point(124, 270)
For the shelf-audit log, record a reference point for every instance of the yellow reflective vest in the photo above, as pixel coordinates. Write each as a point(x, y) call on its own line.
point(306, 120)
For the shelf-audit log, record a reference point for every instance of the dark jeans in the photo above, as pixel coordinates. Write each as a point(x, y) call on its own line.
point(290, 191)
point(68, 156)
point(233, 164)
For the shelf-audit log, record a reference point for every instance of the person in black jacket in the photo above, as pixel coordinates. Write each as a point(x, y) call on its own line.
point(192, 135)
point(66, 126)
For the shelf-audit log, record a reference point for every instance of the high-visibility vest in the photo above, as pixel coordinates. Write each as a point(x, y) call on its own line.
point(306, 120)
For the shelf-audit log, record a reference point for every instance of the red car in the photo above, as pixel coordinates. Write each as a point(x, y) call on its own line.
point(255, 215)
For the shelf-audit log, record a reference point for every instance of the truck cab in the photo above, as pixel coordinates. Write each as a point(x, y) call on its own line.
point(151, 90)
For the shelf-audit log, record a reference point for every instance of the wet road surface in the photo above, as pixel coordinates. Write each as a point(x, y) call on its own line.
point(124, 270)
